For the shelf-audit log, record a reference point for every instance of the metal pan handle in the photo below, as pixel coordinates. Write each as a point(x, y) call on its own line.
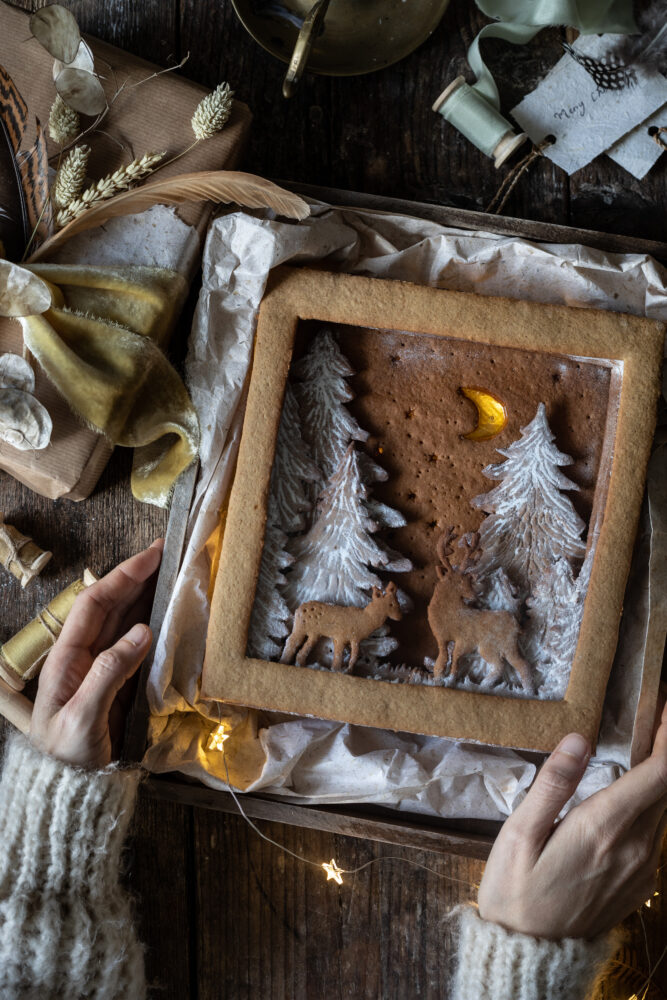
point(304, 43)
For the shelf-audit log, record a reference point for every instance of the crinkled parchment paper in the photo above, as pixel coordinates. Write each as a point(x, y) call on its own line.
point(310, 760)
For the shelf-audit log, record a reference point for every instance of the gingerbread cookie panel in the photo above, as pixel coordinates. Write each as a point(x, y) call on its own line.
point(434, 509)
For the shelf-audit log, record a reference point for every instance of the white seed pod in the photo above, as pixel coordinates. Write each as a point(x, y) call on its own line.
point(82, 60)
point(22, 293)
point(16, 373)
point(81, 91)
point(24, 423)
point(56, 29)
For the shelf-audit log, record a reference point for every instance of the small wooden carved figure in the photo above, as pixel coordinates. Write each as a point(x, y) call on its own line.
point(493, 635)
point(346, 626)
point(19, 554)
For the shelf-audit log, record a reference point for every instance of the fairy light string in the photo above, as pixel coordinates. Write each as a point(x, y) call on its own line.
point(334, 872)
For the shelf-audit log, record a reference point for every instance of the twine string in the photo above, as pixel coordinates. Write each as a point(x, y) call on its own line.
point(515, 174)
point(656, 134)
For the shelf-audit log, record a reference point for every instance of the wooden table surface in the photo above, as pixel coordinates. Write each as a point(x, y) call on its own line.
point(223, 913)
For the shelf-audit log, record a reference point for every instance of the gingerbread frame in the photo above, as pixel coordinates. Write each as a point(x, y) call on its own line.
point(631, 346)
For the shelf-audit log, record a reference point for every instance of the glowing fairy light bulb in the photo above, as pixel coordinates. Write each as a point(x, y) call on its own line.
point(333, 871)
point(216, 740)
point(650, 900)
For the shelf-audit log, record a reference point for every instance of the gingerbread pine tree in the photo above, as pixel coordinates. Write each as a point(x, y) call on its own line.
point(335, 559)
point(531, 522)
point(559, 606)
point(269, 624)
point(293, 469)
point(328, 426)
point(532, 526)
point(322, 392)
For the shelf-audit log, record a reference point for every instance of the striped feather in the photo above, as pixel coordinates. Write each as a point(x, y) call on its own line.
point(34, 171)
point(13, 110)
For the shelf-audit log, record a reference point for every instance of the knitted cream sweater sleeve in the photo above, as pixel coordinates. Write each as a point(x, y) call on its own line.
point(65, 923)
point(496, 964)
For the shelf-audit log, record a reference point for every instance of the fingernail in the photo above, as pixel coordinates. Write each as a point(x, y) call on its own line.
point(575, 746)
point(138, 635)
point(157, 544)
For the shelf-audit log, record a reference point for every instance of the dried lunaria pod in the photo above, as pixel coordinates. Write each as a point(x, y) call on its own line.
point(56, 29)
point(19, 554)
point(82, 60)
point(16, 373)
point(81, 91)
point(22, 293)
point(24, 423)
point(76, 82)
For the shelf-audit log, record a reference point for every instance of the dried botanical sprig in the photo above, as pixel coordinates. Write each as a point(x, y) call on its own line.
point(64, 122)
point(71, 177)
point(109, 186)
point(212, 112)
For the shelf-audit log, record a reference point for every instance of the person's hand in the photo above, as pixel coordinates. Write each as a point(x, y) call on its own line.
point(82, 696)
point(582, 876)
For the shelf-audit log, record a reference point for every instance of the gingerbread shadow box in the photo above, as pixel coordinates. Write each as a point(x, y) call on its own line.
point(434, 509)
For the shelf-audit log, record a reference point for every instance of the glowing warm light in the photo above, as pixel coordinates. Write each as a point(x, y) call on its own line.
point(216, 740)
point(333, 872)
point(648, 904)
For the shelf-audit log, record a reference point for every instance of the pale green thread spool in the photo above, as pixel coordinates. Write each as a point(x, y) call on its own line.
point(478, 121)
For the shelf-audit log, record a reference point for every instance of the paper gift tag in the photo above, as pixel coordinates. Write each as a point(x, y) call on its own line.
point(576, 106)
point(637, 151)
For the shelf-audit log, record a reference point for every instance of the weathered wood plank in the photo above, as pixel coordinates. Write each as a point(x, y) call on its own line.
point(161, 876)
point(369, 824)
point(272, 926)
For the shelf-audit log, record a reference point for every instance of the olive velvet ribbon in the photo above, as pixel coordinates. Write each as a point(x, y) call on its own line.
point(100, 344)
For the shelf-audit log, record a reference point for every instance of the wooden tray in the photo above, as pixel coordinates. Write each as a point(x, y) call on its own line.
point(440, 836)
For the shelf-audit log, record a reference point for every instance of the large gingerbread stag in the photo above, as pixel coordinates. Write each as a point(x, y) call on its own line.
point(346, 626)
point(492, 634)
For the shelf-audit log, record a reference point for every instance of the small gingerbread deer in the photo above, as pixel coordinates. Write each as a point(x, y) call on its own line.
point(346, 626)
point(492, 634)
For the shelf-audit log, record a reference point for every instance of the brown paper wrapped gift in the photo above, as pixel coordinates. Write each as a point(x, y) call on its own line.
point(154, 117)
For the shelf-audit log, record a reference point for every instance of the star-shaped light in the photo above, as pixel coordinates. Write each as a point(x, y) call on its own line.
point(333, 872)
point(216, 740)
point(650, 899)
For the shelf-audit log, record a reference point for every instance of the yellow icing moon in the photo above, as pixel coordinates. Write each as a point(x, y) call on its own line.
point(491, 414)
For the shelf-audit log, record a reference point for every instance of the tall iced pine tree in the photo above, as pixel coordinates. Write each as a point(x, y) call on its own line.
point(533, 533)
point(334, 560)
point(269, 624)
point(531, 523)
point(322, 392)
point(293, 469)
point(328, 426)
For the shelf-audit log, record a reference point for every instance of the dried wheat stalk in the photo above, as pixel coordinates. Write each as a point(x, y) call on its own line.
point(70, 177)
point(64, 123)
point(109, 186)
point(212, 112)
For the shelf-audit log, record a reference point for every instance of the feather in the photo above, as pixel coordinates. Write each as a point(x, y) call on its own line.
point(34, 171)
point(13, 110)
point(13, 121)
point(648, 48)
point(209, 185)
point(30, 169)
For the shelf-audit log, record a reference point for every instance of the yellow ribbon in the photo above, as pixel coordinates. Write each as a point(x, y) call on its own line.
point(100, 345)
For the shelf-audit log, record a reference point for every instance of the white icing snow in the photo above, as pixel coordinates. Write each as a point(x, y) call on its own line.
point(293, 468)
point(327, 425)
point(269, 624)
point(334, 560)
